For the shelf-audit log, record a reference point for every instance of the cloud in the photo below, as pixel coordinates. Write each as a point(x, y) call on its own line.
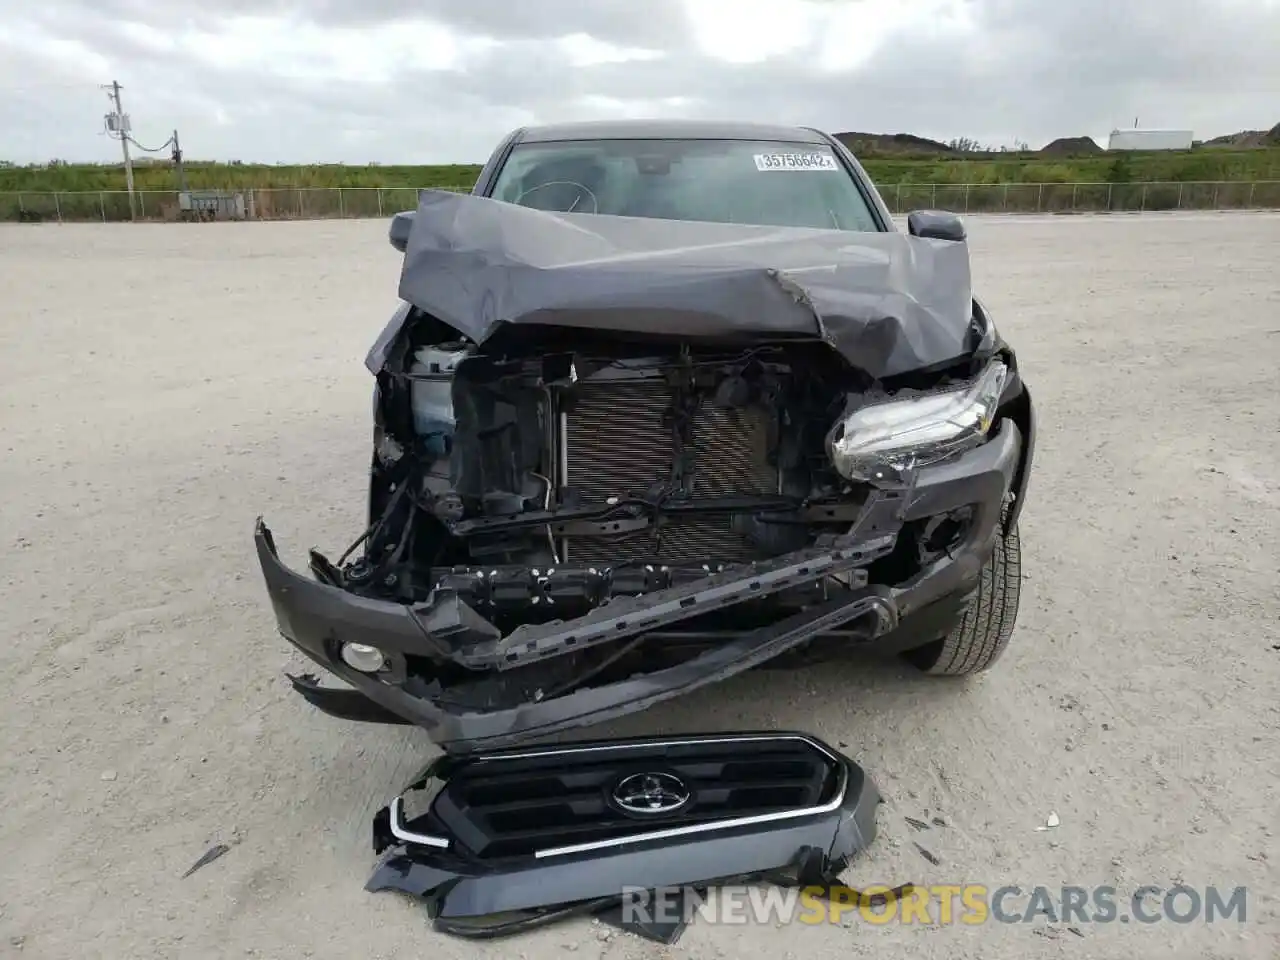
point(443, 80)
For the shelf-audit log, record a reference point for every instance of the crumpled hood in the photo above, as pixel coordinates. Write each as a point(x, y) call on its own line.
point(888, 302)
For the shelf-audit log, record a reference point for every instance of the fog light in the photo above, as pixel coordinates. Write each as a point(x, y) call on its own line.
point(362, 657)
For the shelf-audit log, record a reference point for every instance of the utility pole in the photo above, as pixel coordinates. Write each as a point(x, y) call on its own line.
point(177, 163)
point(121, 129)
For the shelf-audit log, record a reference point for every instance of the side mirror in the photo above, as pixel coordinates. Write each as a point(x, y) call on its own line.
point(936, 225)
point(401, 224)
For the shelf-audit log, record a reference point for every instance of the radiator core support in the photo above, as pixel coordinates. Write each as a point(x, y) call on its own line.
point(621, 434)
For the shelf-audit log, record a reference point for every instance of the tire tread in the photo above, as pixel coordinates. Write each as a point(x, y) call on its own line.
point(983, 632)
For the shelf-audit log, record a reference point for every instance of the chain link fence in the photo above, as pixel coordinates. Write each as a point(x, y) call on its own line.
point(1084, 197)
point(313, 203)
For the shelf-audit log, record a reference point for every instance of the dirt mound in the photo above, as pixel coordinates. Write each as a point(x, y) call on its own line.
point(893, 143)
point(1248, 139)
point(1072, 147)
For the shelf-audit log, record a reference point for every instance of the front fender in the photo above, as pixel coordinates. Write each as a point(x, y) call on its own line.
point(1024, 415)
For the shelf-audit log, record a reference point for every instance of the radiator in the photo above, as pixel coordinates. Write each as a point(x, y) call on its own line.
point(615, 444)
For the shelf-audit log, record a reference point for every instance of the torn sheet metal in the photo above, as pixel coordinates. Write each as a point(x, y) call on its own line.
point(514, 840)
point(888, 302)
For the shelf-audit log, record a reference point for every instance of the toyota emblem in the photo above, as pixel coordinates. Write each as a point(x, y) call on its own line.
point(651, 794)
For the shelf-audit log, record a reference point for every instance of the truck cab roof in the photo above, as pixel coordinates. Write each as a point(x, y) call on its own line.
point(667, 130)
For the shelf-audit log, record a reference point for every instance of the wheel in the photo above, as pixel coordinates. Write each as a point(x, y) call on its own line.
point(981, 634)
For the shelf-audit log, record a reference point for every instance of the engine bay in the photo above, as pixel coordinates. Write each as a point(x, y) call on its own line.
point(654, 456)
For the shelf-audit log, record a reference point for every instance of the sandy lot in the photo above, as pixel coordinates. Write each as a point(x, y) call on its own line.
point(165, 384)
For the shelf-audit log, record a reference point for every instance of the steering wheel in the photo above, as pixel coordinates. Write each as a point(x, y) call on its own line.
point(581, 193)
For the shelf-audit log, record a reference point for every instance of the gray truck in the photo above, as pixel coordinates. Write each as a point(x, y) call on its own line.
point(665, 401)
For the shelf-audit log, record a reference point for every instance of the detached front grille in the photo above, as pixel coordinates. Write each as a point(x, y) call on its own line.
point(550, 802)
point(618, 441)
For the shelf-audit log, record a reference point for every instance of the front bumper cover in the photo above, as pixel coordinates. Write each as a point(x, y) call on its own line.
point(318, 618)
point(784, 807)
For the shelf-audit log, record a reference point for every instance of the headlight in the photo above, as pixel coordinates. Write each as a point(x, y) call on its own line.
point(894, 434)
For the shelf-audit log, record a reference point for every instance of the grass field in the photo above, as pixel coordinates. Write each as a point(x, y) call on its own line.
point(1201, 164)
point(1205, 178)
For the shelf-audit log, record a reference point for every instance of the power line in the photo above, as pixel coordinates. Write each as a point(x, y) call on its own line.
point(164, 146)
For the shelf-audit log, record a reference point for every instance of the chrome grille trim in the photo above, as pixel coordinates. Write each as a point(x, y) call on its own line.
point(830, 805)
point(661, 744)
point(405, 835)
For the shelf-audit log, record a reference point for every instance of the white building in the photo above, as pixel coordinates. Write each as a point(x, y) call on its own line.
point(1150, 140)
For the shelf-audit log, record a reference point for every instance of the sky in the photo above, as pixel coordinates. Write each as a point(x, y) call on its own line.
point(441, 81)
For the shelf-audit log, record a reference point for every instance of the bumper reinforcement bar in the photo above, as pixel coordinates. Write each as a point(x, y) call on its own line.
point(627, 617)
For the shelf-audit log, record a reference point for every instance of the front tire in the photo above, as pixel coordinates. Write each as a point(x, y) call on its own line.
point(982, 633)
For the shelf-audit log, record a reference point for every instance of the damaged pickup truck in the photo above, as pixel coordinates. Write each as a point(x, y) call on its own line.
point(665, 401)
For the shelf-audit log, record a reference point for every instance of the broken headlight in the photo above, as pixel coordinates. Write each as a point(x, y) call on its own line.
point(886, 437)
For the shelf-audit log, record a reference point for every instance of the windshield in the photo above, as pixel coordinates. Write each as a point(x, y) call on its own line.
point(770, 183)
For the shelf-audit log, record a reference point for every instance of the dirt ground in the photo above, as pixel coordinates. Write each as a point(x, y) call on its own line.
point(163, 385)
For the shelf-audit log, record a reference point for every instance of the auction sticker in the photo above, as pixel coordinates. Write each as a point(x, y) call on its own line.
point(796, 161)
